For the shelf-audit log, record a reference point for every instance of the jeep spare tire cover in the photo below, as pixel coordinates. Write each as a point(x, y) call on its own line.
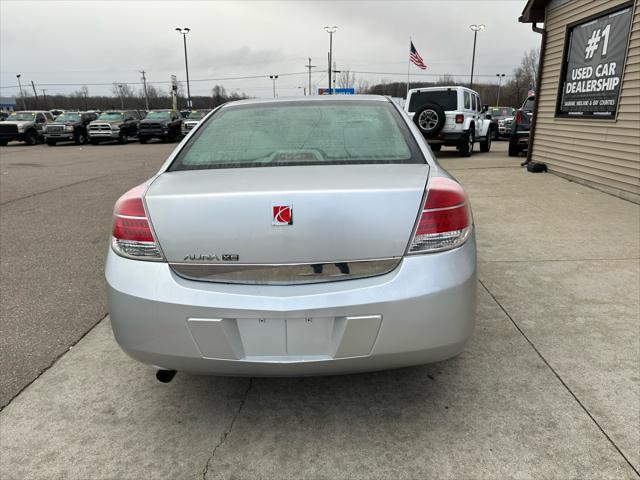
point(430, 119)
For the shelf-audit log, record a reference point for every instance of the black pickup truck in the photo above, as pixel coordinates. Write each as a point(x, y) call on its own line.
point(162, 124)
point(69, 127)
point(519, 137)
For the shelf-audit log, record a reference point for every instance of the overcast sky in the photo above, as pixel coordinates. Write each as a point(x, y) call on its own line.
point(73, 42)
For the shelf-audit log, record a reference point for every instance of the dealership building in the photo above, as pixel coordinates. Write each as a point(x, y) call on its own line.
point(586, 123)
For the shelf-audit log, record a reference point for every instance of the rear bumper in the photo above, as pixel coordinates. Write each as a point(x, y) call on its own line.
point(423, 311)
point(448, 138)
point(520, 136)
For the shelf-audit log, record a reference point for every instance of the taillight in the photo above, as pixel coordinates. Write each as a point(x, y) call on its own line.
point(518, 118)
point(131, 235)
point(445, 220)
point(459, 118)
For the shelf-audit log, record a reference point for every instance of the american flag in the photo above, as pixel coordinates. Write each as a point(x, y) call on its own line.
point(532, 91)
point(415, 58)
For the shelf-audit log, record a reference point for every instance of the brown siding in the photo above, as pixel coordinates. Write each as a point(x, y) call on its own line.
point(602, 153)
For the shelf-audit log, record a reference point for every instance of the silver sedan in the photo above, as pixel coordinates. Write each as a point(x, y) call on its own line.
point(294, 237)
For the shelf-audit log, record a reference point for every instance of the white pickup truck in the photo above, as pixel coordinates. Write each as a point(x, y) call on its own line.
point(450, 116)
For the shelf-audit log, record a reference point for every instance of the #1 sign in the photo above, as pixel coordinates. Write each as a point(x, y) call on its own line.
point(593, 65)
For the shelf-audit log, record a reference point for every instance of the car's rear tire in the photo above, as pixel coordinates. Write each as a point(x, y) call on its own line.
point(514, 149)
point(436, 148)
point(143, 140)
point(494, 134)
point(430, 119)
point(485, 145)
point(31, 138)
point(122, 138)
point(466, 145)
point(51, 143)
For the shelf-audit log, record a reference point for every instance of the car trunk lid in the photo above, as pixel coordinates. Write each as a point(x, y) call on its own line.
point(339, 213)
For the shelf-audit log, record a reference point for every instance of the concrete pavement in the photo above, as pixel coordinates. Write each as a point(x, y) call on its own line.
point(56, 204)
point(548, 387)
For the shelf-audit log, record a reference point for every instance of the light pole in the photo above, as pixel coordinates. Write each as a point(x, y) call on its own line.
point(330, 31)
point(184, 32)
point(273, 78)
point(304, 90)
point(475, 28)
point(500, 76)
point(24, 105)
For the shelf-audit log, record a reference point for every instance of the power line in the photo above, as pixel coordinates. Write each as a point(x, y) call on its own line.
point(245, 77)
point(422, 74)
point(101, 84)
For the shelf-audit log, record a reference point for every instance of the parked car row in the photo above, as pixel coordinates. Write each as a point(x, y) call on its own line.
point(36, 126)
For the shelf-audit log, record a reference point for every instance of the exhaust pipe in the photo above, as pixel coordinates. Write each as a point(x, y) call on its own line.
point(165, 376)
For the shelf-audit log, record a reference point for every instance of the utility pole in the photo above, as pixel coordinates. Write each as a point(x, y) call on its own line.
point(335, 72)
point(24, 104)
point(309, 66)
point(121, 97)
point(330, 31)
point(144, 86)
point(273, 78)
point(184, 31)
point(34, 92)
point(44, 95)
point(500, 76)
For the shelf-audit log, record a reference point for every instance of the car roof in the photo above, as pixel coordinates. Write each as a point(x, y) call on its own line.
point(442, 87)
point(311, 98)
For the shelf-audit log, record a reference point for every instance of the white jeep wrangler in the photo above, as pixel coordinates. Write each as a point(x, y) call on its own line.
point(450, 116)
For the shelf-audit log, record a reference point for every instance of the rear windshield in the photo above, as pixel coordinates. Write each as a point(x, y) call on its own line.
point(528, 104)
point(296, 133)
point(447, 99)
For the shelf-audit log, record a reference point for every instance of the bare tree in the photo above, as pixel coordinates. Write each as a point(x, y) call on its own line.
point(446, 79)
point(219, 95)
point(346, 79)
point(362, 86)
point(529, 64)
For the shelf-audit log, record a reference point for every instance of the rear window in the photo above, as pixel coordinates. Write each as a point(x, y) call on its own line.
point(528, 104)
point(447, 99)
point(300, 133)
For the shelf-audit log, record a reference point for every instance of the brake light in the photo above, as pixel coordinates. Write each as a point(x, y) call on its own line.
point(131, 234)
point(518, 118)
point(445, 220)
point(459, 118)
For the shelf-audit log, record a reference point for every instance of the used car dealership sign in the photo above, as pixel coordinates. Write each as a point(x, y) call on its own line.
point(594, 64)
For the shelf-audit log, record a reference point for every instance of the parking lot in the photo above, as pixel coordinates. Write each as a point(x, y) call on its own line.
point(547, 388)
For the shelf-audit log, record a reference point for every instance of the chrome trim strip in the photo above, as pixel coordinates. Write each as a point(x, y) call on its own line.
point(284, 274)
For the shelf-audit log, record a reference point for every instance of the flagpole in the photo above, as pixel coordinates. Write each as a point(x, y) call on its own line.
point(408, 71)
